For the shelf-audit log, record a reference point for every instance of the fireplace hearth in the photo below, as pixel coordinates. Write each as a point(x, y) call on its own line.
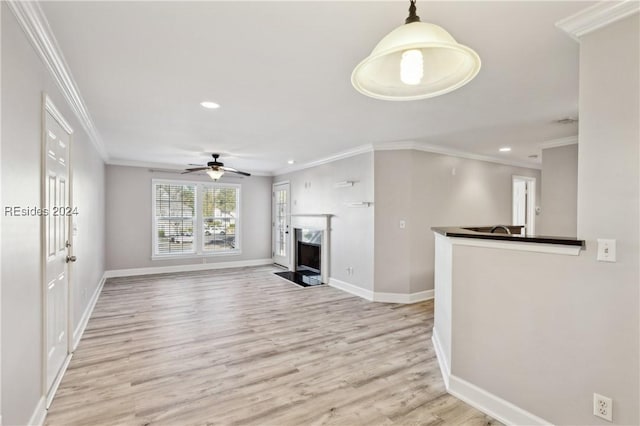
point(302, 278)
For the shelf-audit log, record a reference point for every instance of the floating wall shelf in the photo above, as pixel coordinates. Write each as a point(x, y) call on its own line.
point(359, 204)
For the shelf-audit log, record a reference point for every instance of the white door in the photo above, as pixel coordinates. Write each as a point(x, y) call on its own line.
point(524, 200)
point(281, 221)
point(57, 140)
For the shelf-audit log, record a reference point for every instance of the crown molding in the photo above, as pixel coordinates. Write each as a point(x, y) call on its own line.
point(555, 143)
point(324, 160)
point(406, 145)
point(597, 16)
point(31, 18)
point(435, 149)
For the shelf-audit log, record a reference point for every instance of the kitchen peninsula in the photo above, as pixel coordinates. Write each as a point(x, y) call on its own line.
point(494, 299)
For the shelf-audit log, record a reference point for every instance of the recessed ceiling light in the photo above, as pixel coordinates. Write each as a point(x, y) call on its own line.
point(505, 149)
point(290, 162)
point(209, 105)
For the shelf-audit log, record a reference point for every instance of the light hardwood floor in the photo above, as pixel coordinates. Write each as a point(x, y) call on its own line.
point(243, 346)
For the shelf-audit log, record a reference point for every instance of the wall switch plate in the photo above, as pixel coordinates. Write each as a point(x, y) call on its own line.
point(602, 407)
point(403, 224)
point(606, 250)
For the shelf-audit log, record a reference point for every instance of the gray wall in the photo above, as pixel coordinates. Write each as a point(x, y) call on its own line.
point(609, 206)
point(24, 78)
point(129, 218)
point(546, 331)
point(559, 202)
point(351, 228)
point(420, 188)
point(89, 242)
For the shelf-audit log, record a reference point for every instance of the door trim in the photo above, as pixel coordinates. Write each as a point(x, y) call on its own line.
point(273, 224)
point(49, 107)
point(531, 201)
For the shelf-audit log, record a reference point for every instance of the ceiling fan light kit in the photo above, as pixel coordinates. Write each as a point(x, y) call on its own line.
point(215, 174)
point(417, 60)
point(215, 169)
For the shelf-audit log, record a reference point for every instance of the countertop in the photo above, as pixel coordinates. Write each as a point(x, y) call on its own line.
point(465, 232)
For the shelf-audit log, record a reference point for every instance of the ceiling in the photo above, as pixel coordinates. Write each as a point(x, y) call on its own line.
point(281, 73)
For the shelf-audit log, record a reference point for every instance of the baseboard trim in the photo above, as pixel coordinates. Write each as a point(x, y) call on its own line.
point(115, 273)
point(39, 414)
point(350, 288)
point(79, 331)
point(442, 359)
point(492, 405)
point(56, 383)
point(420, 296)
point(379, 296)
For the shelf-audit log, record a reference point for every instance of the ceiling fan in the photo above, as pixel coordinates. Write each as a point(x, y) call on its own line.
point(216, 169)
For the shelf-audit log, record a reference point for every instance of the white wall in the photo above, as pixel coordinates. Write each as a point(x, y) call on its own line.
point(559, 202)
point(351, 228)
point(129, 218)
point(422, 189)
point(545, 331)
point(24, 78)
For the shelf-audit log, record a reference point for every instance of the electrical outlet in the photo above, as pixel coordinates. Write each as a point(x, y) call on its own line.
point(602, 407)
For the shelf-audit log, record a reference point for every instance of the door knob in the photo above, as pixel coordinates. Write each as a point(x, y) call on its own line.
point(71, 259)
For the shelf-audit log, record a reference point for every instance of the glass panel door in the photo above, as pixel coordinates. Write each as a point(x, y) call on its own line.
point(281, 220)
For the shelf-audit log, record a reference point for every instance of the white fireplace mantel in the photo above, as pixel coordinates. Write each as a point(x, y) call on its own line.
point(317, 222)
point(311, 221)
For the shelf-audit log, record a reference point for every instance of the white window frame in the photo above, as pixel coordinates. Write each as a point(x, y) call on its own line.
point(198, 221)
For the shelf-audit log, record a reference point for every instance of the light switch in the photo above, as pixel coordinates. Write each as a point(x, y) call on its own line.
point(403, 224)
point(606, 250)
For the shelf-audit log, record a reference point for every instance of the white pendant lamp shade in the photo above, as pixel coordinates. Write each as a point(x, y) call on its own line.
point(215, 174)
point(417, 60)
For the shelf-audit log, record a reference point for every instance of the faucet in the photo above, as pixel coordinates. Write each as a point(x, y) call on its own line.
point(505, 228)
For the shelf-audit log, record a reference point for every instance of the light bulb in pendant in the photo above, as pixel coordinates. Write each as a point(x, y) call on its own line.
point(411, 67)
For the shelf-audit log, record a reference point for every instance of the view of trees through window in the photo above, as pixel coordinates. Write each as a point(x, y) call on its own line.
point(219, 214)
point(177, 218)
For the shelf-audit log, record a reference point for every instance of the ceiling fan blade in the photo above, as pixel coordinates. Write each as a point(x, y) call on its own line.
point(232, 170)
point(197, 169)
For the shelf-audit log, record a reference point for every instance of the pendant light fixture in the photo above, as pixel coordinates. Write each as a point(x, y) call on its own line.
point(417, 60)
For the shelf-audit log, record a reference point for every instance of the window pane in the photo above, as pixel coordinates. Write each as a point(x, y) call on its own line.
point(219, 218)
point(175, 217)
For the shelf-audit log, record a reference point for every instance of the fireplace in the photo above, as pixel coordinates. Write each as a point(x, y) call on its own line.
point(308, 257)
point(310, 243)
